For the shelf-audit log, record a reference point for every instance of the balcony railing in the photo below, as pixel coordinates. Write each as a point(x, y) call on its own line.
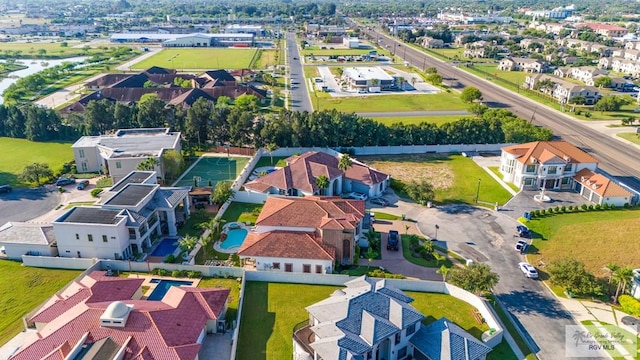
point(304, 336)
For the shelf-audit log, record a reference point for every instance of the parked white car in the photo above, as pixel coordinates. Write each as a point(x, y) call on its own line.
point(528, 270)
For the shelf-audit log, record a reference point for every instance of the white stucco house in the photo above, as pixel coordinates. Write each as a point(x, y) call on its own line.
point(599, 189)
point(549, 165)
point(120, 153)
point(298, 178)
point(307, 235)
point(371, 320)
point(125, 221)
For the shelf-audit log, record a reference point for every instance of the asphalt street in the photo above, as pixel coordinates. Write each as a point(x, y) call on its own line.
point(27, 204)
point(618, 159)
point(300, 100)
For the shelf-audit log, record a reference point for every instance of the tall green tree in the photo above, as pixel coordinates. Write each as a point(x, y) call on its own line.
point(222, 192)
point(198, 118)
point(571, 274)
point(420, 192)
point(151, 111)
point(345, 163)
point(470, 94)
point(36, 172)
point(172, 163)
point(148, 164)
point(271, 147)
point(476, 278)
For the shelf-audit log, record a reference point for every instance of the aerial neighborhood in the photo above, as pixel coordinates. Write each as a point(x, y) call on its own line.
point(319, 180)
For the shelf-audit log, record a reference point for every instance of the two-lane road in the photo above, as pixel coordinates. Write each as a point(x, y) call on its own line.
point(616, 158)
point(300, 100)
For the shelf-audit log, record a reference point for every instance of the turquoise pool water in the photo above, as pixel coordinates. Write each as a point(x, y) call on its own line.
point(163, 286)
point(235, 238)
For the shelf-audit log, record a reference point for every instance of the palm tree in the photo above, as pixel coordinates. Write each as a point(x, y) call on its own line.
point(609, 269)
point(444, 271)
point(345, 163)
point(271, 147)
point(373, 238)
point(622, 276)
point(323, 183)
point(188, 243)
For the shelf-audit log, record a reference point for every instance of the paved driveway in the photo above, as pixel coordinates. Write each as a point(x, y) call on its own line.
point(26, 204)
point(524, 202)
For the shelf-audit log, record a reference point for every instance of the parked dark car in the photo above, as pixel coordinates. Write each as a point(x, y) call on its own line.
point(523, 231)
point(393, 240)
point(82, 184)
point(5, 188)
point(65, 181)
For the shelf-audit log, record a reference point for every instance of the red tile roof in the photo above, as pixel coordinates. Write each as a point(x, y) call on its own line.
point(311, 212)
point(286, 244)
point(303, 170)
point(544, 151)
point(160, 330)
point(600, 184)
point(600, 26)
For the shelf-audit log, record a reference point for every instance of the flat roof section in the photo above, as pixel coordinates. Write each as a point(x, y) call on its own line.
point(92, 215)
point(131, 195)
point(367, 73)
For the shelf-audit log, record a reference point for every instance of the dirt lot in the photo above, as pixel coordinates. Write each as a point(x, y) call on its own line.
point(405, 168)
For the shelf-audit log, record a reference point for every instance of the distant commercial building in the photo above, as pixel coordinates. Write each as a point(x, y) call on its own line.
point(256, 30)
point(351, 42)
point(187, 40)
point(364, 78)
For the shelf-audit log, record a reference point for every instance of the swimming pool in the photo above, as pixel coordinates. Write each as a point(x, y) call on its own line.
point(163, 286)
point(167, 246)
point(235, 238)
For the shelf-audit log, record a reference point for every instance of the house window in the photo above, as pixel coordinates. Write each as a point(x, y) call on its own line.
point(411, 329)
point(288, 267)
point(531, 169)
point(84, 167)
point(552, 170)
point(81, 153)
point(118, 165)
point(104, 238)
point(90, 237)
point(565, 180)
point(77, 236)
point(276, 266)
point(306, 268)
point(568, 167)
point(398, 338)
point(528, 181)
point(318, 269)
point(402, 353)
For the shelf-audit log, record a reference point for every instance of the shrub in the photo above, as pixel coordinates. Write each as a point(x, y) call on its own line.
point(175, 273)
point(194, 274)
point(578, 112)
point(556, 209)
point(612, 206)
point(570, 208)
point(626, 205)
point(381, 274)
point(563, 208)
point(597, 207)
point(550, 211)
point(629, 304)
point(160, 272)
point(96, 192)
point(587, 114)
point(537, 212)
point(170, 258)
point(590, 207)
point(584, 207)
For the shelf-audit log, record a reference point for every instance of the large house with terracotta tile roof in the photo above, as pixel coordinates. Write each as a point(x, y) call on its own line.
point(103, 317)
point(549, 165)
point(599, 189)
point(370, 319)
point(298, 178)
point(307, 235)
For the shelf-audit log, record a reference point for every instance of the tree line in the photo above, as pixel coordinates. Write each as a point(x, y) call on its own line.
point(242, 124)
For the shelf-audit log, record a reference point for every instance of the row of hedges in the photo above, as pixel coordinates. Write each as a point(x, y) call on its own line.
point(629, 304)
point(570, 209)
point(381, 274)
point(177, 273)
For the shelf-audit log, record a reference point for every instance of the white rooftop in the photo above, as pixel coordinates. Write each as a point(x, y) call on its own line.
point(26, 233)
point(367, 73)
point(132, 142)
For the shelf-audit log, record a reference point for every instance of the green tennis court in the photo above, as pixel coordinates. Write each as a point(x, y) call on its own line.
point(211, 169)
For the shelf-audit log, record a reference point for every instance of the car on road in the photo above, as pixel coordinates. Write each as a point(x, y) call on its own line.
point(295, 58)
point(521, 245)
point(65, 181)
point(528, 270)
point(523, 231)
point(380, 201)
point(5, 188)
point(82, 184)
point(393, 241)
point(356, 195)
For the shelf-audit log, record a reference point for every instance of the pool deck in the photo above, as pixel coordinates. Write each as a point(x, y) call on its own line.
point(152, 286)
point(217, 245)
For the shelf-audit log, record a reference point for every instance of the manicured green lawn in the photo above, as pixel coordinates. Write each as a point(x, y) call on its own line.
point(266, 58)
point(385, 216)
point(234, 296)
point(23, 289)
point(496, 170)
point(633, 137)
point(55, 50)
point(562, 235)
point(266, 161)
point(388, 103)
point(406, 253)
point(271, 310)
point(242, 212)
point(502, 352)
point(454, 177)
point(199, 59)
point(408, 120)
point(15, 154)
point(517, 77)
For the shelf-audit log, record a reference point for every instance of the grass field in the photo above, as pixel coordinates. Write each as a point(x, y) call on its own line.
point(496, 170)
point(56, 49)
point(558, 236)
point(194, 58)
point(266, 161)
point(408, 120)
point(266, 58)
point(271, 310)
point(633, 137)
point(338, 52)
point(211, 169)
point(454, 177)
point(406, 253)
point(242, 212)
point(389, 103)
point(23, 288)
point(15, 154)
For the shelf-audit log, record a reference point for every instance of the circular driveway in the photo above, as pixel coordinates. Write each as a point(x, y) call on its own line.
point(27, 204)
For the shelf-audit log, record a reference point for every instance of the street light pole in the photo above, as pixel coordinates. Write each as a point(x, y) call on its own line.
point(478, 191)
